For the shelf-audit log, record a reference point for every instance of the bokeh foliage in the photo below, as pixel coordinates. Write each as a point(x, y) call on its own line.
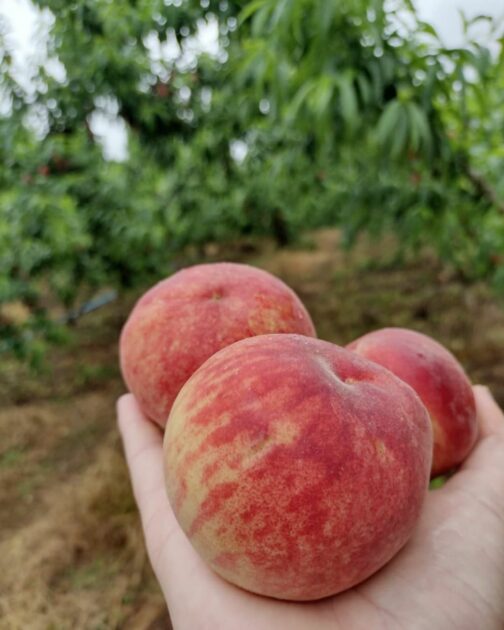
point(350, 113)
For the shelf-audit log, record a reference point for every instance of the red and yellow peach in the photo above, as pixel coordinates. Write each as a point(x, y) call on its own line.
point(296, 468)
point(439, 380)
point(185, 319)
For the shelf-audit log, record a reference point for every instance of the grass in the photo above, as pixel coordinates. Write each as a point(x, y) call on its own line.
point(91, 575)
point(11, 457)
point(91, 375)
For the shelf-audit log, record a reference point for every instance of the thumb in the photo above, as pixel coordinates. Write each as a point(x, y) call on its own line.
point(488, 454)
point(481, 477)
point(490, 416)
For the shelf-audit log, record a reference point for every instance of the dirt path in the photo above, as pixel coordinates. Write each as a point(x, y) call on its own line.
point(70, 543)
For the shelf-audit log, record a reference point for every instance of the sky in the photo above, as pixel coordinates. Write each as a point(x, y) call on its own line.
point(444, 15)
point(28, 28)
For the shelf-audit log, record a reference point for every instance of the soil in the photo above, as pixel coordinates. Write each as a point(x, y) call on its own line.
point(70, 541)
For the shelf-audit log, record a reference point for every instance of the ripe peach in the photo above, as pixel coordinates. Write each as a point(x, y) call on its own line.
point(183, 320)
point(296, 468)
point(440, 381)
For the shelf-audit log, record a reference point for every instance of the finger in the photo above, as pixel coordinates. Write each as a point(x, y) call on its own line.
point(484, 463)
point(143, 447)
point(490, 416)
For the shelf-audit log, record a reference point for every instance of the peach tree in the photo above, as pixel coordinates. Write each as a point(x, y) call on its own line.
point(260, 117)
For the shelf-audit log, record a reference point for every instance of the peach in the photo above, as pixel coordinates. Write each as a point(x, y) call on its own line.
point(183, 320)
point(295, 467)
point(440, 381)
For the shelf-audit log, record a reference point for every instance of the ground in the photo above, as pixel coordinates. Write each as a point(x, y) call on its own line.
point(70, 542)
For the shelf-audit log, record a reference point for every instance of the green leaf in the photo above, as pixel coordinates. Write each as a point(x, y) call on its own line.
point(348, 101)
point(429, 29)
point(252, 7)
point(299, 99)
point(280, 11)
point(420, 134)
point(326, 13)
point(400, 138)
point(320, 96)
point(415, 134)
point(376, 81)
point(364, 89)
point(387, 125)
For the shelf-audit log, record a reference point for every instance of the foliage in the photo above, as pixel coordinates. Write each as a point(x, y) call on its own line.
point(351, 113)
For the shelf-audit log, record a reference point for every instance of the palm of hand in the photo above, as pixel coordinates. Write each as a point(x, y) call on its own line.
point(449, 576)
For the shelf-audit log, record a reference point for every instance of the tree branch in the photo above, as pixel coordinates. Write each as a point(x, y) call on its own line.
point(484, 188)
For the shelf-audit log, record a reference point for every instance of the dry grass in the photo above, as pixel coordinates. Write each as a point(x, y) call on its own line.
point(71, 547)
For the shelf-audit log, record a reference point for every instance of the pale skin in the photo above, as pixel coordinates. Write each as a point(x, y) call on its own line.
point(450, 576)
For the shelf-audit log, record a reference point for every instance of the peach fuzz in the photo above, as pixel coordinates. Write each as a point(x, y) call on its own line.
point(440, 381)
point(296, 468)
point(185, 319)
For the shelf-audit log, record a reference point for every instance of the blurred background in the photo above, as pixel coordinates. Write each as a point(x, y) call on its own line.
point(354, 148)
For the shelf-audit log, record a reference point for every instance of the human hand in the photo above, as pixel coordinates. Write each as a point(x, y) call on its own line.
point(450, 575)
